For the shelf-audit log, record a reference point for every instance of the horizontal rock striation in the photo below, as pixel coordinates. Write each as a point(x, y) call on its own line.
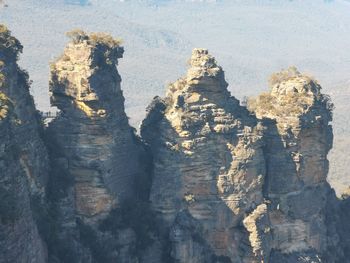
point(298, 138)
point(211, 181)
point(232, 187)
point(23, 161)
point(209, 166)
point(92, 144)
point(14, 83)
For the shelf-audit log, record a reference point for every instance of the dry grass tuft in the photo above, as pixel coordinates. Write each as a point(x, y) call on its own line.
point(283, 75)
point(78, 36)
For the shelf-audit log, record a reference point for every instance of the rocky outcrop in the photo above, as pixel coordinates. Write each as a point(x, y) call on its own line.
point(15, 85)
point(93, 148)
point(226, 183)
point(209, 166)
point(232, 187)
point(298, 138)
point(342, 215)
point(23, 161)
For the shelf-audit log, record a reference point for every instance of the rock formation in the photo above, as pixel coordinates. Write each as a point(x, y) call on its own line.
point(93, 148)
point(298, 138)
point(342, 214)
point(211, 181)
point(232, 187)
point(209, 166)
point(23, 161)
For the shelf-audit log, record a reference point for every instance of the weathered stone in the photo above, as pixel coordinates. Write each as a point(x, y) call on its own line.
point(208, 163)
point(92, 136)
point(227, 184)
point(298, 138)
point(23, 161)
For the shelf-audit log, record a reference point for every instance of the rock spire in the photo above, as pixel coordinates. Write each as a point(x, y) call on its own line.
point(208, 164)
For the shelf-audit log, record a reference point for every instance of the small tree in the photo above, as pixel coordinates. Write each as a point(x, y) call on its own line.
point(283, 75)
point(77, 35)
point(104, 38)
point(9, 43)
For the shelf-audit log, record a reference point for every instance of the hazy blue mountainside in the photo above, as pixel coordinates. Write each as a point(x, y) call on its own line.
point(251, 39)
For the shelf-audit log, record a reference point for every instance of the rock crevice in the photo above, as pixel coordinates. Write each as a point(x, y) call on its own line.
point(23, 161)
point(208, 181)
point(92, 142)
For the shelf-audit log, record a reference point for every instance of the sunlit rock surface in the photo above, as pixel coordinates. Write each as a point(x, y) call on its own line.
point(92, 144)
point(211, 180)
point(298, 138)
point(208, 165)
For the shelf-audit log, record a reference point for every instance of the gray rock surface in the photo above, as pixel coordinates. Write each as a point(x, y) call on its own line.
point(23, 161)
point(211, 180)
point(208, 165)
point(253, 189)
point(298, 138)
point(91, 140)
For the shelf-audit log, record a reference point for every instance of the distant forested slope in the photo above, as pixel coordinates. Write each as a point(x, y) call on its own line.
point(251, 39)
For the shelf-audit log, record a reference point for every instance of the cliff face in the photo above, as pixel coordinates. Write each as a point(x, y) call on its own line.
point(23, 161)
point(298, 138)
point(33, 154)
point(208, 165)
point(93, 148)
point(229, 184)
point(343, 228)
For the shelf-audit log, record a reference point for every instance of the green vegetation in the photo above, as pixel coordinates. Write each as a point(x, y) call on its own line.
point(293, 104)
point(264, 100)
point(284, 75)
point(290, 102)
point(78, 36)
point(106, 39)
point(108, 49)
point(9, 43)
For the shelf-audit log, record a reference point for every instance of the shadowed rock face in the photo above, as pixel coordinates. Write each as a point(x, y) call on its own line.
point(23, 160)
point(228, 184)
point(208, 164)
point(298, 138)
point(93, 132)
point(91, 141)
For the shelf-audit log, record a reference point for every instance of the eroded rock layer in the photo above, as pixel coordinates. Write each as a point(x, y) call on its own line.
point(230, 186)
point(298, 138)
point(93, 148)
point(211, 181)
point(23, 161)
point(209, 166)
